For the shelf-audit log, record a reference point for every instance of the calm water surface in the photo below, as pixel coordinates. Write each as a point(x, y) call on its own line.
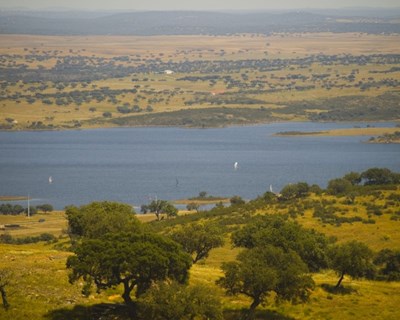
point(134, 165)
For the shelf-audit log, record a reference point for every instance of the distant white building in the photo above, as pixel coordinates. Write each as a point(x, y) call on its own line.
point(168, 72)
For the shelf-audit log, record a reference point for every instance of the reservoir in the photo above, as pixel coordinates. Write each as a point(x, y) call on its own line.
point(136, 165)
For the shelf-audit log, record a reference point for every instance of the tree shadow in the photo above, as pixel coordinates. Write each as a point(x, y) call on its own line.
point(340, 290)
point(259, 315)
point(103, 311)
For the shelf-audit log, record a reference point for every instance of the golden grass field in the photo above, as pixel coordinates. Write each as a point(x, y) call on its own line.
point(280, 45)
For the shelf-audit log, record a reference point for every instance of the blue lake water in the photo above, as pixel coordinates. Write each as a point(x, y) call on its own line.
point(134, 165)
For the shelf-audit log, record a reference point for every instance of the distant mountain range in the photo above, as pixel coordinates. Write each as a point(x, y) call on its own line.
point(195, 22)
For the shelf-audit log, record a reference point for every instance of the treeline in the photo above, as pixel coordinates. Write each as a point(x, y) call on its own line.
point(200, 118)
point(80, 68)
point(358, 108)
point(387, 138)
point(8, 239)
point(192, 23)
point(371, 177)
point(10, 209)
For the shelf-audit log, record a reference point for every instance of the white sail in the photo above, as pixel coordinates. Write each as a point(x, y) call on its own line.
point(270, 188)
point(236, 165)
point(50, 180)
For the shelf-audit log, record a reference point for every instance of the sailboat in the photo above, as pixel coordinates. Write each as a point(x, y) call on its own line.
point(50, 180)
point(236, 165)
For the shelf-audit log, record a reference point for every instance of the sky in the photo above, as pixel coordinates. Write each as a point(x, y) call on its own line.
point(194, 5)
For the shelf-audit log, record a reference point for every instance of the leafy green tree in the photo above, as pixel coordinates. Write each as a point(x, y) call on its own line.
point(133, 260)
point(289, 192)
point(159, 207)
point(172, 301)
point(316, 189)
point(260, 271)
point(236, 200)
point(32, 210)
point(297, 190)
point(275, 230)
point(98, 218)
point(18, 209)
point(192, 206)
point(198, 239)
point(389, 262)
point(202, 194)
point(339, 186)
point(269, 197)
point(352, 258)
point(170, 210)
point(7, 208)
point(379, 176)
point(353, 177)
point(45, 207)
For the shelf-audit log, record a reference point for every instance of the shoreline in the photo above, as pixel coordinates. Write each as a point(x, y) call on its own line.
point(13, 198)
point(201, 201)
point(371, 131)
point(333, 132)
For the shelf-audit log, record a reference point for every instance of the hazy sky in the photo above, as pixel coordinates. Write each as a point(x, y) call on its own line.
point(195, 5)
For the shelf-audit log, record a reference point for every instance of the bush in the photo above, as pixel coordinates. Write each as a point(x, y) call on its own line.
point(236, 200)
point(292, 191)
point(379, 176)
point(339, 186)
point(192, 206)
point(45, 207)
point(8, 239)
point(175, 301)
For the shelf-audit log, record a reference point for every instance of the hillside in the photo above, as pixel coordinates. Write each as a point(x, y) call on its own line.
point(39, 285)
point(70, 82)
point(189, 23)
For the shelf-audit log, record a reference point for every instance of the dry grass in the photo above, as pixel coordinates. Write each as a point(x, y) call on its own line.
point(53, 223)
point(245, 45)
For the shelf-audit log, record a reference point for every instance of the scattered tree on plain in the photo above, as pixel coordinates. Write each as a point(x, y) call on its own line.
point(98, 218)
point(159, 207)
point(275, 230)
point(352, 258)
point(261, 271)
point(45, 207)
point(236, 200)
point(389, 263)
point(133, 260)
point(297, 190)
point(198, 239)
